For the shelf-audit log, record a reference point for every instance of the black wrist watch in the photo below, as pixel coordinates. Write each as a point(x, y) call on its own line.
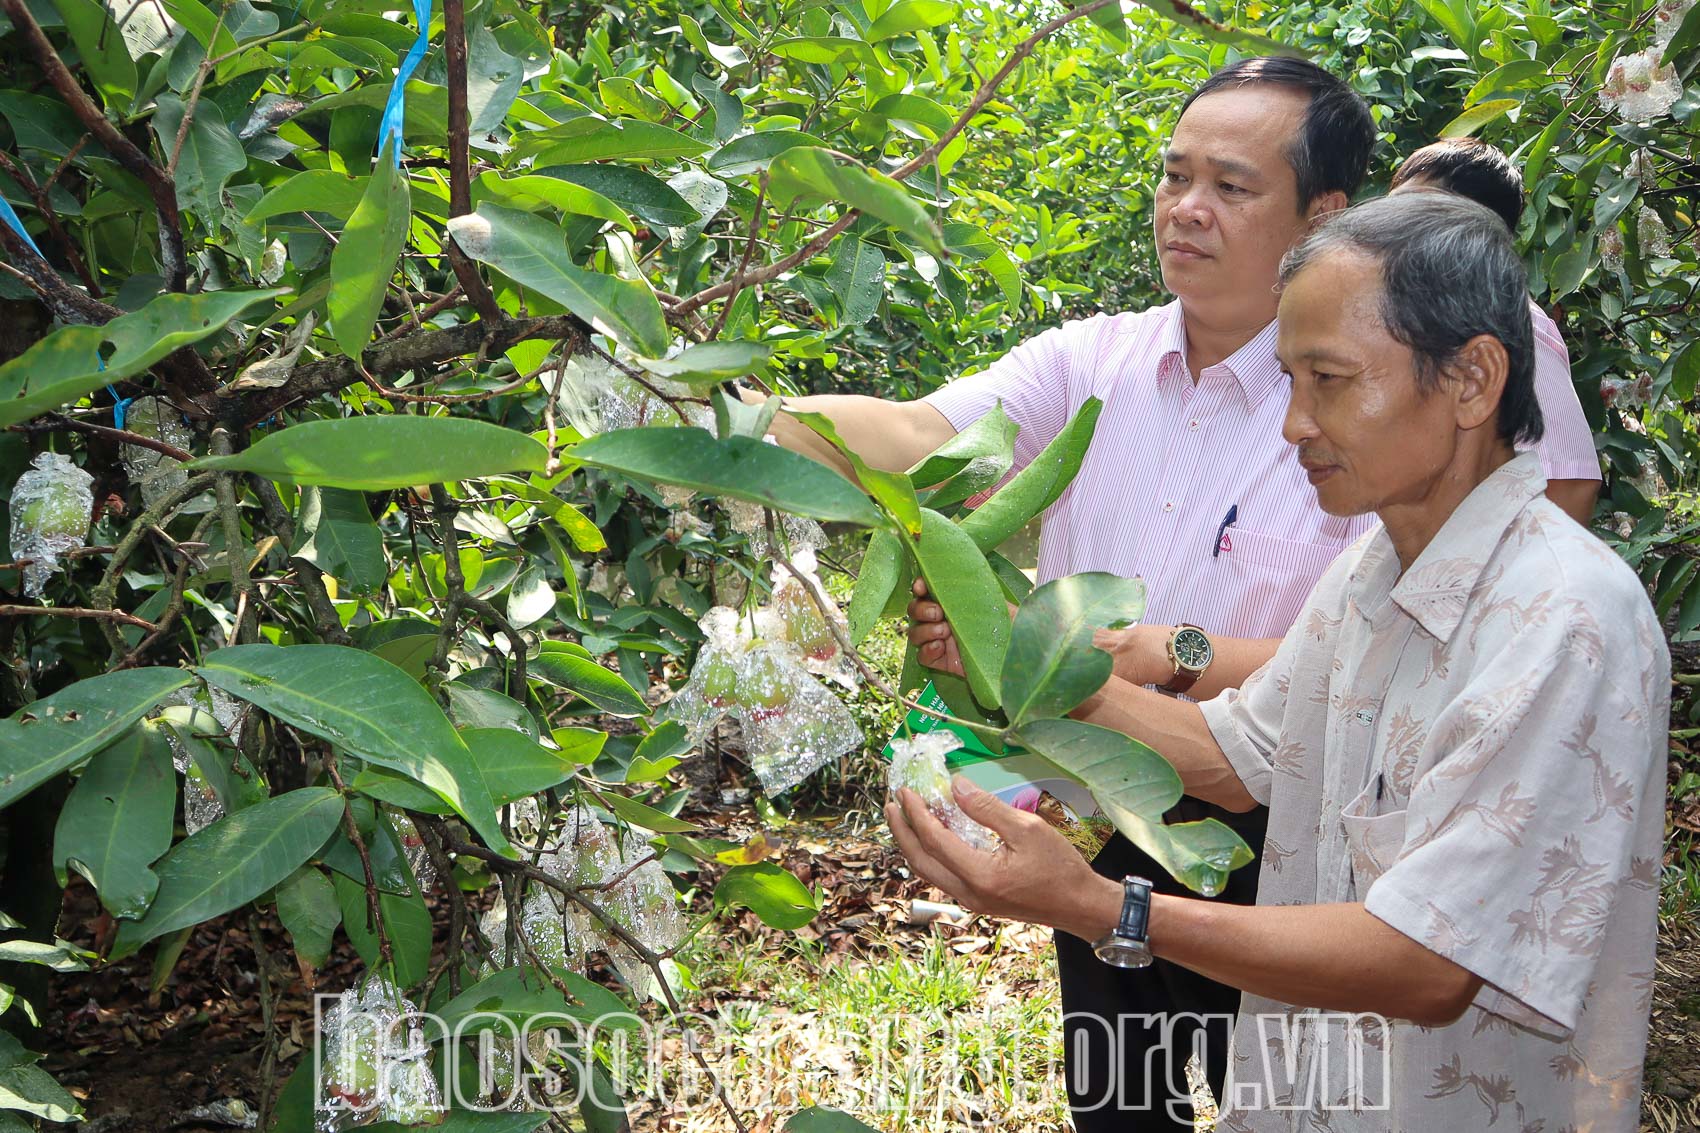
point(1126, 946)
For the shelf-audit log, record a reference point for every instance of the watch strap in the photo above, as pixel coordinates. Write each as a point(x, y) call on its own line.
point(1136, 909)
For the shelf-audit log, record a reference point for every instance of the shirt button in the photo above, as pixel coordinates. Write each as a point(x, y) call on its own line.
point(1193, 424)
point(1169, 505)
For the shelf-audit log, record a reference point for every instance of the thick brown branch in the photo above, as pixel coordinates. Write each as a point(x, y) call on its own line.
point(460, 193)
point(44, 206)
point(173, 261)
point(76, 612)
point(66, 303)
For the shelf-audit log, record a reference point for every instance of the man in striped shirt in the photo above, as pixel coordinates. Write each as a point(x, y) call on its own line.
point(1188, 485)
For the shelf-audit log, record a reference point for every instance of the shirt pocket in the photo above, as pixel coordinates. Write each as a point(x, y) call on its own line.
point(1270, 577)
point(1373, 840)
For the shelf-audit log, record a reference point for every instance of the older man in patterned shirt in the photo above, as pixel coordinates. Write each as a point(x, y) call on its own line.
point(1461, 741)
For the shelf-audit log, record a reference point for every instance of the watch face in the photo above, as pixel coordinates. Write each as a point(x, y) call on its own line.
point(1192, 649)
point(1121, 953)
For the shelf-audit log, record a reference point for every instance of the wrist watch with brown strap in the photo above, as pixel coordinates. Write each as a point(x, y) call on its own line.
point(1190, 652)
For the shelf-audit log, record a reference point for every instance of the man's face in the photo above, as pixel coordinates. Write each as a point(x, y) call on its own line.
point(1227, 206)
point(1369, 438)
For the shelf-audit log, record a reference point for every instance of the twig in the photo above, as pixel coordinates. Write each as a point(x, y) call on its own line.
point(268, 1017)
point(743, 264)
point(460, 195)
point(443, 509)
point(437, 307)
point(194, 99)
point(247, 614)
point(374, 918)
point(53, 421)
point(76, 612)
point(106, 591)
point(312, 579)
point(173, 611)
point(44, 206)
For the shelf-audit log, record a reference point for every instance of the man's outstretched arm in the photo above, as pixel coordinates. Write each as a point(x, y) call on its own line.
point(891, 436)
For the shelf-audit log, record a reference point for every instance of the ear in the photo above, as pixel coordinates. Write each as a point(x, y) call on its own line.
point(1332, 201)
point(1479, 372)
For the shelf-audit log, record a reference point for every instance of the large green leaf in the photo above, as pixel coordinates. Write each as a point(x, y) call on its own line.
point(819, 1119)
point(407, 922)
point(808, 173)
point(338, 535)
point(513, 766)
point(1036, 487)
point(1116, 768)
point(116, 822)
point(960, 580)
point(1199, 855)
point(210, 156)
point(101, 50)
point(991, 435)
point(708, 363)
point(1478, 116)
point(754, 152)
point(365, 256)
point(1052, 664)
point(875, 583)
point(857, 279)
point(307, 906)
point(68, 362)
point(366, 706)
point(233, 861)
point(824, 50)
point(909, 16)
point(773, 894)
point(54, 733)
point(650, 197)
point(529, 193)
point(594, 139)
point(516, 994)
point(601, 687)
point(531, 251)
point(647, 817)
point(740, 467)
point(379, 452)
point(316, 190)
point(1193, 19)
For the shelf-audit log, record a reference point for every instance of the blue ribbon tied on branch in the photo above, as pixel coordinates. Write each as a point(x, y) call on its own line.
point(395, 108)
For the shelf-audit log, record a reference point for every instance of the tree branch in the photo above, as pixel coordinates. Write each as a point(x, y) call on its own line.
point(76, 612)
point(460, 194)
point(247, 613)
point(172, 259)
point(55, 421)
point(44, 206)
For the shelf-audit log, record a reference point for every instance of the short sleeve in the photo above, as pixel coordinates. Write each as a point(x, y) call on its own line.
point(1519, 839)
point(1033, 381)
point(1567, 446)
point(1246, 721)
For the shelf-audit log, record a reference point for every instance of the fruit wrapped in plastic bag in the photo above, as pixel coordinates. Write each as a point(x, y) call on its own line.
point(157, 474)
point(792, 724)
point(364, 1036)
point(52, 504)
point(411, 1095)
point(713, 685)
point(794, 616)
point(917, 762)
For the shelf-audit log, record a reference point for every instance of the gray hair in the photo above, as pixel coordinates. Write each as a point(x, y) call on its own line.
point(1448, 273)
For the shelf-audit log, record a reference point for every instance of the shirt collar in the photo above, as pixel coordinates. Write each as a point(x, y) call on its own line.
point(1254, 365)
point(1437, 588)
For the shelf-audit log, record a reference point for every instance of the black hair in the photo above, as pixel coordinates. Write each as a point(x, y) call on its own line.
point(1331, 153)
point(1449, 273)
point(1471, 168)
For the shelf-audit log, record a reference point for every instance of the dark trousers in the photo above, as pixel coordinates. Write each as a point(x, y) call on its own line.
point(1126, 1074)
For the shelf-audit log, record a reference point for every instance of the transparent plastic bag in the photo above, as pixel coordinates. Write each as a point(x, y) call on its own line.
point(51, 507)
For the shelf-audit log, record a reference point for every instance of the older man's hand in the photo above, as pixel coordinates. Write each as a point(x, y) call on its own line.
point(935, 644)
point(1036, 875)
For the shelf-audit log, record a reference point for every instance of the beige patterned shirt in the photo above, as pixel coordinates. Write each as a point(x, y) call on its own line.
point(1476, 751)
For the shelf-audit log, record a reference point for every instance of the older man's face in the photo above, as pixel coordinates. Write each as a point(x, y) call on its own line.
point(1369, 438)
point(1227, 206)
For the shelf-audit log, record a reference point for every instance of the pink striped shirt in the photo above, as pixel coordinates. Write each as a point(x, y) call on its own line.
point(1169, 461)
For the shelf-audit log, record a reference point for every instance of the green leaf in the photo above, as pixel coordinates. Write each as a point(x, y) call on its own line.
point(809, 174)
point(1036, 487)
point(650, 197)
point(586, 536)
point(531, 251)
point(1478, 116)
point(892, 489)
point(61, 955)
point(406, 921)
point(367, 707)
point(959, 578)
point(210, 156)
point(647, 817)
point(1682, 40)
point(32, 1090)
point(915, 108)
point(1016, 585)
point(601, 687)
point(708, 363)
point(740, 467)
point(1685, 372)
point(518, 994)
point(824, 50)
point(875, 584)
point(1517, 73)
point(819, 1119)
point(338, 535)
point(531, 193)
point(1116, 768)
point(1568, 271)
point(307, 906)
point(67, 363)
point(857, 279)
point(101, 48)
point(991, 435)
point(773, 894)
point(316, 190)
point(624, 95)
point(366, 254)
point(54, 733)
point(1199, 855)
point(1614, 199)
point(754, 152)
point(379, 452)
point(1052, 665)
point(1194, 20)
point(233, 861)
point(531, 598)
point(909, 16)
point(592, 138)
point(117, 821)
